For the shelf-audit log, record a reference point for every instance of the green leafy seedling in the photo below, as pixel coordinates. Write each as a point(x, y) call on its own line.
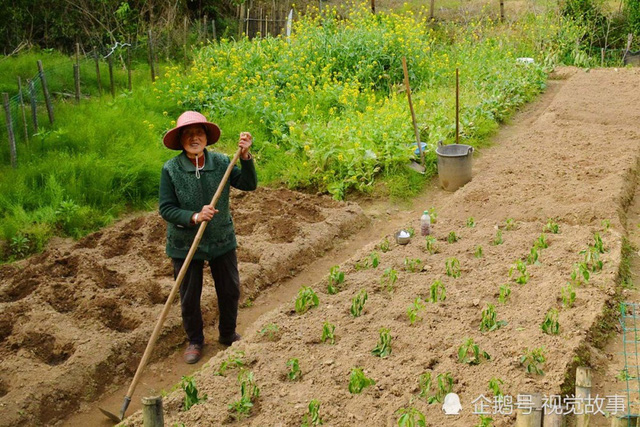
point(371, 261)
point(431, 244)
point(505, 292)
point(294, 369)
point(452, 266)
point(412, 265)
point(389, 278)
point(269, 331)
point(336, 278)
point(383, 347)
point(552, 226)
point(550, 325)
point(494, 386)
point(521, 268)
point(469, 352)
point(424, 384)
point(498, 239)
point(306, 299)
point(312, 418)
point(358, 381)
point(437, 291)
point(580, 274)
point(357, 303)
point(411, 417)
point(489, 320)
point(328, 331)
point(234, 360)
point(249, 393)
point(413, 312)
point(191, 397)
point(533, 360)
point(384, 245)
point(452, 237)
point(568, 294)
point(471, 222)
point(411, 231)
point(510, 224)
point(533, 256)
point(445, 386)
point(478, 252)
point(484, 421)
point(433, 214)
point(541, 242)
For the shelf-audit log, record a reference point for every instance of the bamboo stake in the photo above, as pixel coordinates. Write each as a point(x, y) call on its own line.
point(152, 415)
point(501, 10)
point(583, 393)
point(457, 108)
point(151, 56)
point(530, 416)
point(24, 113)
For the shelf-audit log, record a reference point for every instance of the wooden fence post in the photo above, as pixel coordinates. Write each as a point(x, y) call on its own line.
point(12, 138)
point(151, 57)
point(554, 417)
point(241, 19)
point(24, 113)
point(501, 10)
point(129, 65)
point(530, 416)
point(113, 88)
point(45, 90)
point(152, 415)
point(431, 10)
point(204, 24)
point(583, 393)
point(97, 58)
point(373, 6)
point(76, 79)
point(213, 30)
point(32, 98)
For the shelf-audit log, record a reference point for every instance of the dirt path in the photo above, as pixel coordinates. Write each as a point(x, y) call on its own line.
point(573, 158)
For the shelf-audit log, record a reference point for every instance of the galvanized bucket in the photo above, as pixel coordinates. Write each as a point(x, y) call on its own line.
point(454, 165)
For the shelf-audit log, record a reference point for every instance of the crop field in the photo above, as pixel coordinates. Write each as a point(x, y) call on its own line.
point(517, 285)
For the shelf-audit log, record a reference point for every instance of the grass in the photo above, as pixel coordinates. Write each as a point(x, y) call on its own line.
point(324, 119)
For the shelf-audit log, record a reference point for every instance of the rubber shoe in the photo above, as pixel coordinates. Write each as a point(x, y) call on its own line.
point(229, 340)
point(193, 353)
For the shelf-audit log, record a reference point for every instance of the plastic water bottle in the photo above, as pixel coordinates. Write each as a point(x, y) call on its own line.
point(425, 224)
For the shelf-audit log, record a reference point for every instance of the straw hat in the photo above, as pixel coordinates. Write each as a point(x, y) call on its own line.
point(172, 138)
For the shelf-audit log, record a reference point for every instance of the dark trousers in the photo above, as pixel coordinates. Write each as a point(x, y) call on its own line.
point(224, 270)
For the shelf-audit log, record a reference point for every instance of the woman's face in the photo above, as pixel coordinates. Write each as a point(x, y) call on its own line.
point(193, 139)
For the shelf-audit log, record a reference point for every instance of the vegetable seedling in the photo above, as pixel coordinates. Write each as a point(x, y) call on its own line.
point(389, 278)
point(294, 369)
point(498, 239)
point(532, 360)
point(550, 325)
point(328, 330)
point(358, 381)
point(270, 331)
point(383, 347)
point(494, 386)
point(384, 245)
point(452, 266)
point(452, 237)
point(191, 397)
point(568, 296)
point(336, 278)
point(489, 320)
point(414, 310)
point(357, 303)
point(478, 252)
point(469, 352)
point(306, 300)
point(249, 393)
point(430, 244)
point(411, 417)
point(471, 222)
point(552, 226)
point(412, 265)
point(234, 360)
point(520, 267)
point(312, 418)
point(437, 291)
point(505, 292)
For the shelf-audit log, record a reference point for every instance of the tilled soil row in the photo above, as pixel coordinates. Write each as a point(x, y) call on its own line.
point(559, 164)
point(76, 318)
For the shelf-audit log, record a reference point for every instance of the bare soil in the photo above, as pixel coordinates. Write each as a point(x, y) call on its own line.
point(76, 319)
point(573, 157)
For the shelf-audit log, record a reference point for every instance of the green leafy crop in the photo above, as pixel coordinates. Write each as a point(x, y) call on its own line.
point(358, 381)
point(306, 299)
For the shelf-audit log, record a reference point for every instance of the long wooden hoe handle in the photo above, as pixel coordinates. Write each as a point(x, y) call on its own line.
point(174, 290)
point(413, 114)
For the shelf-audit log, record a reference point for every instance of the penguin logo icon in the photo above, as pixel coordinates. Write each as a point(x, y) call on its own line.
point(451, 405)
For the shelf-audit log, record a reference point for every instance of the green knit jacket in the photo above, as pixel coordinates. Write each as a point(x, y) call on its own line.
point(182, 195)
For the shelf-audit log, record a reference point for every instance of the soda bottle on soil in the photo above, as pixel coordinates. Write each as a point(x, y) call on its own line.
point(425, 224)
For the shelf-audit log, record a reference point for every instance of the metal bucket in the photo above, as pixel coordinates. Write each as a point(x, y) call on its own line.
point(454, 165)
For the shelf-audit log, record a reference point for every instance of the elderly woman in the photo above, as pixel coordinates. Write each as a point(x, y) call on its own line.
point(187, 186)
